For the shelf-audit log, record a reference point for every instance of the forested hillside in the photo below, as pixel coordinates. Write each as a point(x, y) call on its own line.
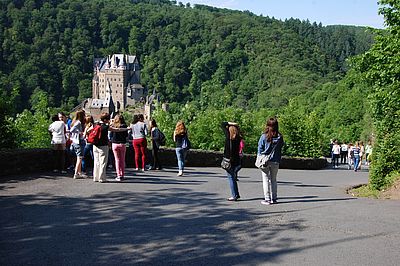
point(215, 56)
point(209, 64)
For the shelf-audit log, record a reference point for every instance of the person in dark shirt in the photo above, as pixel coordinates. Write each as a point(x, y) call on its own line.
point(118, 140)
point(231, 151)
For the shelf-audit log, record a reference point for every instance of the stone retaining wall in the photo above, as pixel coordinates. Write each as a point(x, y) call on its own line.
point(36, 160)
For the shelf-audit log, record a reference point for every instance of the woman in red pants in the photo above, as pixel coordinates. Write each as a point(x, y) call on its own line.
point(139, 133)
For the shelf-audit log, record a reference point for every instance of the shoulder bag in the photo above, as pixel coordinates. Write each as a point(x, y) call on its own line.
point(262, 159)
point(226, 162)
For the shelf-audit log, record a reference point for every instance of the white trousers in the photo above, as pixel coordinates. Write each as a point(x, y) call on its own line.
point(100, 158)
point(270, 185)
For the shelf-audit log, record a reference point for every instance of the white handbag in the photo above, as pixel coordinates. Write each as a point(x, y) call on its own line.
point(262, 159)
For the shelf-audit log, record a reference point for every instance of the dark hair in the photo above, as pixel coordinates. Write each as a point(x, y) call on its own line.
point(54, 118)
point(153, 123)
point(62, 113)
point(272, 128)
point(79, 116)
point(135, 119)
point(141, 117)
point(105, 116)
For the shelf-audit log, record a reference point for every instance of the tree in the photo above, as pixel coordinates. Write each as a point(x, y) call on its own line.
point(380, 66)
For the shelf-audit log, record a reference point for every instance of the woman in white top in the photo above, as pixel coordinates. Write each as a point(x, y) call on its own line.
point(57, 131)
point(336, 154)
point(139, 133)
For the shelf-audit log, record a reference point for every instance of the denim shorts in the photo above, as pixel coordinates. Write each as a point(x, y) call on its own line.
point(78, 149)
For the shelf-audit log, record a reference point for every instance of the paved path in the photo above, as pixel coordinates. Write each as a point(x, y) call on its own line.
point(157, 218)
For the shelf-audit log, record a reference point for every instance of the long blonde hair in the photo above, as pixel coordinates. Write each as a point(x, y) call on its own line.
point(118, 121)
point(180, 128)
point(233, 132)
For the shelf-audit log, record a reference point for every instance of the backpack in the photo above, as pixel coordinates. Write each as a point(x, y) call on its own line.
point(161, 138)
point(94, 135)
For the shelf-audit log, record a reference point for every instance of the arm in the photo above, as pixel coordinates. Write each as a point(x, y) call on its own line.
point(117, 129)
point(224, 126)
point(261, 144)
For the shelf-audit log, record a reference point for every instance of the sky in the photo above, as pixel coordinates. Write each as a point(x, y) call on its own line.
point(328, 12)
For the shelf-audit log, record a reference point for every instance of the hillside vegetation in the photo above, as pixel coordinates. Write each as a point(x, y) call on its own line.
point(209, 64)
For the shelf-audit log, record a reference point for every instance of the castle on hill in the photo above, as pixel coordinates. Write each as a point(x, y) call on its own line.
point(115, 85)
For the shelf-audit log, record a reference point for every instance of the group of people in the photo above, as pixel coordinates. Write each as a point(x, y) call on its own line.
point(350, 154)
point(73, 136)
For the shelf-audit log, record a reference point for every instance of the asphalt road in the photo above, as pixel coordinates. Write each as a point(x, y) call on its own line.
point(157, 218)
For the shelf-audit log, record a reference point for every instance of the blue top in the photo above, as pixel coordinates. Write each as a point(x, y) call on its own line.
point(265, 147)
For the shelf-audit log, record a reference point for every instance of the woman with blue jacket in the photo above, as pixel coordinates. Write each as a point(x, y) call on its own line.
point(271, 142)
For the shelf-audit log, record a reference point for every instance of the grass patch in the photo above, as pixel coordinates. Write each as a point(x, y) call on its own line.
point(364, 191)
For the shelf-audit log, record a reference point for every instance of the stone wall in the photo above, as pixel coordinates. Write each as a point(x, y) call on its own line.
point(36, 160)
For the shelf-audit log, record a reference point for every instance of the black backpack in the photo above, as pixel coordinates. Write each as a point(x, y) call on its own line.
point(161, 138)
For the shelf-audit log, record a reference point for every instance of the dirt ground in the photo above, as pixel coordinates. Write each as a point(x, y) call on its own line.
point(393, 192)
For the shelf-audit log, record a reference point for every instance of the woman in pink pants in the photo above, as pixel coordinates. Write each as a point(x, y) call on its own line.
point(118, 140)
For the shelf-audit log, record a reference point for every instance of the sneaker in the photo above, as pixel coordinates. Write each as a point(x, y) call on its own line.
point(77, 176)
point(266, 202)
point(232, 199)
point(82, 175)
point(118, 179)
point(63, 172)
point(180, 173)
point(136, 169)
point(102, 181)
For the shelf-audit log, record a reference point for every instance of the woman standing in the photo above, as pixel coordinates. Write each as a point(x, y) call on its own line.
point(88, 150)
point(181, 139)
point(356, 155)
point(232, 152)
point(271, 142)
point(58, 131)
point(78, 142)
point(155, 141)
point(118, 140)
point(139, 133)
point(336, 154)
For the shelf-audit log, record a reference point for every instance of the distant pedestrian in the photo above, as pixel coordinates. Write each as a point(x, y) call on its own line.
point(139, 133)
point(156, 136)
point(271, 142)
point(343, 153)
point(336, 154)
point(350, 156)
point(182, 145)
point(232, 152)
point(368, 152)
point(57, 130)
point(356, 154)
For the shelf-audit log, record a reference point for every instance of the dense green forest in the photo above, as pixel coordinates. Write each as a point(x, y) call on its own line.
point(206, 58)
point(210, 65)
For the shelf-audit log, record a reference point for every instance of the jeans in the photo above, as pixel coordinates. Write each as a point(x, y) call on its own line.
point(232, 175)
point(356, 162)
point(181, 156)
point(87, 156)
point(270, 185)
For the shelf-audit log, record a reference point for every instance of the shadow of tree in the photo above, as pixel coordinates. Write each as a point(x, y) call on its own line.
point(174, 226)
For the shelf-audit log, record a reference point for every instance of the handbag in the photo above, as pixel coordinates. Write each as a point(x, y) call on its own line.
point(226, 163)
point(262, 159)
